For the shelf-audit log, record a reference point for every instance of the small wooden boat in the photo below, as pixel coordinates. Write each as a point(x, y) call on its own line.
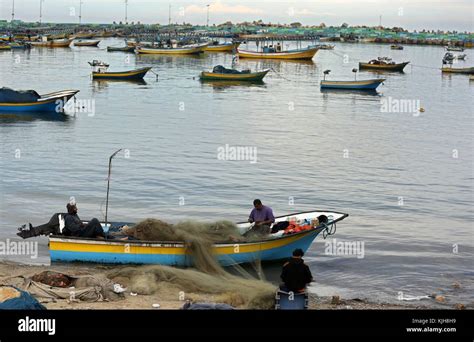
point(469, 71)
point(83, 35)
point(396, 47)
point(81, 42)
point(454, 48)
point(307, 53)
point(275, 247)
point(350, 85)
point(221, 47)
point(353, 85)
point(184, 50)
point(121, 49)
point(471, 78)
point(135, 74)
point(242, 76)
point(383, 64)
point(5, 47)
point(52, 102)
point(53, 43)
point(18, 45)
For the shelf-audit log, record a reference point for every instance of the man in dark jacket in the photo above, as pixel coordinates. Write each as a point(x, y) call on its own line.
point(75, 227)
point(296, 274)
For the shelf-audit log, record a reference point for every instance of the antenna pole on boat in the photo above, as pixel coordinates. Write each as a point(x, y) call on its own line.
point(108, 186)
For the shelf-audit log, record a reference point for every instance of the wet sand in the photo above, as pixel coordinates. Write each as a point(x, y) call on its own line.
point(169, 297)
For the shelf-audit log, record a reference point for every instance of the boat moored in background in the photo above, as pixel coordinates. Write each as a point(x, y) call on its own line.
point(383, 64)
point(449, 69)
point(307, 53)
point(221, 47)
point(30, 101)
point(183, 50)
point(81, 42)
point(220, 73)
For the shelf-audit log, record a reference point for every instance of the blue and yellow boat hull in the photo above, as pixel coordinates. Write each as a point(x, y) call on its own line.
point(352, 85)
point(136, 74)
point(72, 249)
point(53, 102)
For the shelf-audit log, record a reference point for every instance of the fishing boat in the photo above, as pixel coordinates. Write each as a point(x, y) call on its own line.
point(52, 102)
point(221, 47)
point(396, 47)
point(53, 43)
point(219, 73)
point(454, 48)
point(353, 85)
point(136, 74)
point(20, 45)
point(275, 247)
point(121, 49)
point(471, 78)
point(371, 84)
point(81, 42)
point(469, 71)
point(184, 50)
point(383, 64)
point(307, 53)
point(5, 47)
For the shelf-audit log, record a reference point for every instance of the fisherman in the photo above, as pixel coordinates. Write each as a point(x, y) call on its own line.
point(278, 47)
point(296, 275)
point(262, 216)
point(75, 227)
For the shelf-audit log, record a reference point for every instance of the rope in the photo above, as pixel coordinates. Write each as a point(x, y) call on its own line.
point(329, 230)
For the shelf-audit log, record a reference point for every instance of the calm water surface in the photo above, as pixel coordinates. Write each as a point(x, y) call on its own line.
point(406, 179)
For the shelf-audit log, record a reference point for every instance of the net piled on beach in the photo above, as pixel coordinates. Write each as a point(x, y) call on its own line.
point(208, 276)
point(170, 282)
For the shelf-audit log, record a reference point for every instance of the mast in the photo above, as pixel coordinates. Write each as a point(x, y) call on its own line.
point(41, 10)
point(126, 9)
point(108, 185)
point(80, 12)
point(13, 10)
point(169, 15)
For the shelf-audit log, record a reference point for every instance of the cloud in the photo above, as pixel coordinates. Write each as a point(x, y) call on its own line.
point(220, 8)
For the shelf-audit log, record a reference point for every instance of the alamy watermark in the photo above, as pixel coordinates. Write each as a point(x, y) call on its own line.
point(391, 105)
point(19, 248)
point(245, 153)
point(334, 247)
point(81, 106)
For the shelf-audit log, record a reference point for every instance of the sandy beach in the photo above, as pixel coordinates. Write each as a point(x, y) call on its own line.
point(171, 296)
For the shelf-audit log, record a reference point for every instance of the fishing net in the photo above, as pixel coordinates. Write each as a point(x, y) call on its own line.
point(175, 283)
point(208, 277)
point(198, 237)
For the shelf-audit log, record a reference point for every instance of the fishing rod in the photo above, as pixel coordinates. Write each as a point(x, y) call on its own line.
point(108, 188)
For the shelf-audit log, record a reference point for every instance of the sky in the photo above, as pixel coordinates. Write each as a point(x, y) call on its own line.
point(413, 15)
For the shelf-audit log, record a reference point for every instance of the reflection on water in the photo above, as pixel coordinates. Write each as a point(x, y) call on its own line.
point(18, 117)
point(224, 84)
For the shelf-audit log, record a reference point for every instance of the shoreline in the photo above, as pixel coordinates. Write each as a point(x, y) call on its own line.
point(169, 298)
